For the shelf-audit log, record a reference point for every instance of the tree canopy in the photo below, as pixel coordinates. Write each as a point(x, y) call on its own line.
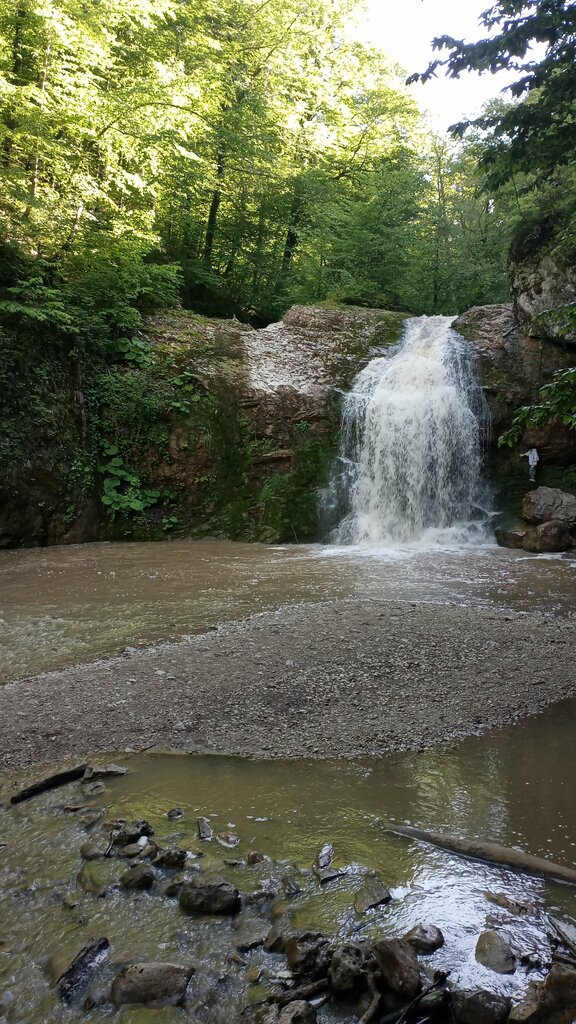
point(536, 133)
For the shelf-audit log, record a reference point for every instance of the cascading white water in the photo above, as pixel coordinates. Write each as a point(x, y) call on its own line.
point(410, 463)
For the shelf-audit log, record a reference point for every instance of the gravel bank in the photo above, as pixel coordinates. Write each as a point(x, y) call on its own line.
point(337, 679)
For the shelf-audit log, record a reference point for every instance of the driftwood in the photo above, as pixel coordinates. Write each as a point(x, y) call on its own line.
point(52, 782)
point(491, 853)
point(73, 981)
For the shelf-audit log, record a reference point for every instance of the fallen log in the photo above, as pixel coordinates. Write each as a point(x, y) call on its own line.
point(51, 782)
point(491, 853)
point(76, 976)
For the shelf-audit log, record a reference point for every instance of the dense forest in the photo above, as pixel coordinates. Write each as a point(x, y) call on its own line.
point(236, 158)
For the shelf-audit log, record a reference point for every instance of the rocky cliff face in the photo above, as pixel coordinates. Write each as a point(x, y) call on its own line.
point(229, 430)
point(540, 285)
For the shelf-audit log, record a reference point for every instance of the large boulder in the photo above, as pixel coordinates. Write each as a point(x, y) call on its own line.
point(348, 968)
point(547, 537)
point(546, 503)
point(552, 1001)
point(399, 966)
point(493, 952)
point(151, 984)
point(424, 938)
point(213, 895)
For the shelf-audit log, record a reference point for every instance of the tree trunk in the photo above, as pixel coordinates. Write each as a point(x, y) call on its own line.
point(214, 208)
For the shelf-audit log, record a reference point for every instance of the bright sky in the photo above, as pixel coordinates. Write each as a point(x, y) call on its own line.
point(404, 29)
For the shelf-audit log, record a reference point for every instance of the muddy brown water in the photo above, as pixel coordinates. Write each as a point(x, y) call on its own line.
point(63, 605)
point(513, 786)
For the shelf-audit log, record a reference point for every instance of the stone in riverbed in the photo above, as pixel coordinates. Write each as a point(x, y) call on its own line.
point(298, 1012)
point(98, 877)
point(102, 771)
point(151, 984)
point(398, 965)
point(173, 857)
point(140, 876)
point(307, 952)
point(372, 894)
point(493, 952)
point(209, 896)
point(95, 849)
point(251, 933)
point(552, 1001)
point(132, 832)
point(424, 938)
point(348, 968)
point(480, 1007)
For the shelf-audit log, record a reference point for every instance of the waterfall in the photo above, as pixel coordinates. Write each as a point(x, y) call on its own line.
point(409, 469)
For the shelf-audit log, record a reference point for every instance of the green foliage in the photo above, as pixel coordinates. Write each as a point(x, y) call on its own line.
point(536, 133)
point(558, 403)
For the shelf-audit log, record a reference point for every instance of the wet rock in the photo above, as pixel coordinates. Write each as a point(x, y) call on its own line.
point(278, 936)
point(98, 877)
point(398, 965)
point(372, 894)
point(348, 968)
point(307, 952)
point(493, 952)
point(291, 885)
point(205, 830)
point(251, 932)
point(329, 875)
point(75, 978)
point(480, 1007)
point(132, 850)
point(324, 857)
point(151, 984)
point(260, 1015)
point(132, 832)
point(552, 1001)
point(228, 839)
point(548, 537)
point(298, 1012)
point(96, 848)
point(209, 896)
point(255, 857)
point(93, 788)
point(499, 899)
point(174, 813)
point(102, 771)
point(173, 857)
point(424, 938)
point(139, 876)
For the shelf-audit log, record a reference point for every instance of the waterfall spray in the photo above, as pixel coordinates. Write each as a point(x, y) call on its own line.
point(414, 425)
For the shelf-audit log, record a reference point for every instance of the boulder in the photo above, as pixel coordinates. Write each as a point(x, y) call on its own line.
point(424, 938)
point(398, 965)
point(552, 1001)
point(348, 969)
point(493, 952)
point(151, 984)
point(546, 503)
point(259, 1015)
point(140, 876)
point(480, 1007)
point(95, 848)
point(307, 952)
point(133, 831)
point(213, 895)
point(298, 1012)
point(173, 857)
point(547, 537)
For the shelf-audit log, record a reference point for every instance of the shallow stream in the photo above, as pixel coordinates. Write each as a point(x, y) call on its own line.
point(513, 786)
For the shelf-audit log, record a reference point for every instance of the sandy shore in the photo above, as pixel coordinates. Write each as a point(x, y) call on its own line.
point(342, 678)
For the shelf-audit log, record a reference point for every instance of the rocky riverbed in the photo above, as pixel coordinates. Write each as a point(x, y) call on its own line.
point(344, 678)
point(188, 920)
